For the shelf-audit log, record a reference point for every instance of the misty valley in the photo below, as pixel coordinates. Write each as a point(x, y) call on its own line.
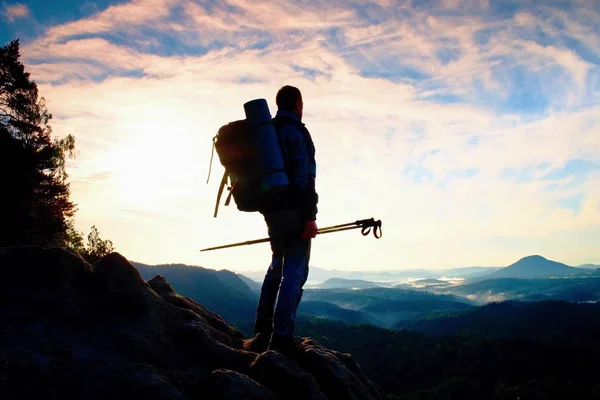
point(434, 333)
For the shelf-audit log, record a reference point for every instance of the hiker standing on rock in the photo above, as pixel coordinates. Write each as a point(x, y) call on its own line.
point(290, 216)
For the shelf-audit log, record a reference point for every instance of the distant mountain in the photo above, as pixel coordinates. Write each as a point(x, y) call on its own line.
point(234, 296)
point(222, 291)
point(340, 283)
point(466, 272)
point(252, 284)
point(316, 275)
point(192, 275)
point(425, 284)
point(325, 310)
point(430, 282)
point(583, 288)
point(386, 277)
point(393, 277)
point(588, 266)
point(534, 267)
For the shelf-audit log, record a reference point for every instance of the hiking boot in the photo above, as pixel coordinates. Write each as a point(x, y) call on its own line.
point(286, 345)
point(259, 343)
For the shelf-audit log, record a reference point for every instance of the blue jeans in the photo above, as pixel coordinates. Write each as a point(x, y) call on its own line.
point(281, 291)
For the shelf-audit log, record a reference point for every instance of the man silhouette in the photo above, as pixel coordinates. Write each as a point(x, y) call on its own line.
point(291, 222)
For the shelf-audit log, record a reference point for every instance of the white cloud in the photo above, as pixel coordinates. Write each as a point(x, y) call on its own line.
point(16, 11)
point(145, 142)
point(125, 16)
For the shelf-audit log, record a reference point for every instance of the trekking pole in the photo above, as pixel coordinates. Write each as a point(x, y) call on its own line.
point(366, 226)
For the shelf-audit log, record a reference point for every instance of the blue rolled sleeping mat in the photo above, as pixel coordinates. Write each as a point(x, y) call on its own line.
point(265, 142)
point(281, 219)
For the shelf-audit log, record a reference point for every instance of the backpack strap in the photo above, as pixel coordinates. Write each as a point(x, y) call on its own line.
point(278, 123)
point(212, 153)
point(220, 193)
point(230, 188)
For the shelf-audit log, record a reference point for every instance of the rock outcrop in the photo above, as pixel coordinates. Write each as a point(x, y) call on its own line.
point(70, 330)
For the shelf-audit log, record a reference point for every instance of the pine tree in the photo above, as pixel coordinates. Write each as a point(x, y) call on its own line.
point(36, 205)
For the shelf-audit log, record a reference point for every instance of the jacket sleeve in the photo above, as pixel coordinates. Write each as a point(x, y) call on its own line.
point(303, 172)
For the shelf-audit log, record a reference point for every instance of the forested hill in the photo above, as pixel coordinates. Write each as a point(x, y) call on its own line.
point(556, 321)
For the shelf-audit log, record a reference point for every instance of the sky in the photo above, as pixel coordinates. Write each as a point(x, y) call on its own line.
point(471, 128)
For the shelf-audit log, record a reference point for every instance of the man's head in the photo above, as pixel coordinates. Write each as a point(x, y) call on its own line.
point(289, 98)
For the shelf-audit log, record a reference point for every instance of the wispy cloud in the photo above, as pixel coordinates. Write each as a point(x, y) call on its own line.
point(127, 16)
point(15, 11)
point(424, 114)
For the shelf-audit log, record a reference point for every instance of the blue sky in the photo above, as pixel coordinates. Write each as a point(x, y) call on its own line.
point(40, 16)
point(467, 126)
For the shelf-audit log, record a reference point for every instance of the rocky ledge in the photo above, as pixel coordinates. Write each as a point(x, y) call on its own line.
point(69, 330)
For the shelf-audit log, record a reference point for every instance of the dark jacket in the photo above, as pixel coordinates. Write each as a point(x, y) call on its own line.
point(299, 155)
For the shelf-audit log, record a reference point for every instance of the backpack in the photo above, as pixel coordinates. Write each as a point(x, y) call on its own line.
point(250, 152)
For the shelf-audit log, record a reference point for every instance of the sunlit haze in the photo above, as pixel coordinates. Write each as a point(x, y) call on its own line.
point(471, 128)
